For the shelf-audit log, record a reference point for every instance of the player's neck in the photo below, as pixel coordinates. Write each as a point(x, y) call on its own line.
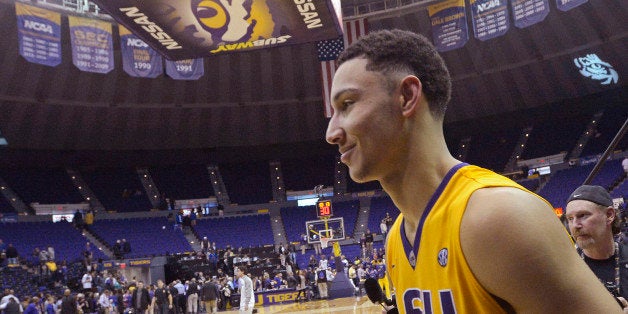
point(415, 186)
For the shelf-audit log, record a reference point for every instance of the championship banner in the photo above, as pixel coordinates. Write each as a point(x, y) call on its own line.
point(92, 44)
point(188, 29)
point(39, 34)
point(138, 59)
point(529, 12)
point(449, 24)
point(490, 18)
point(188, 69)
point(566, 5)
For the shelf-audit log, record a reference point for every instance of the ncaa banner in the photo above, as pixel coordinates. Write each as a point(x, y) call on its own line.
point(188, 29)
point(529, 12)
point(449, 24)
point(92, 44)
point(188, 69)
point(490, 18)
point(39, 34)
point(566, 5)
point(138, 59)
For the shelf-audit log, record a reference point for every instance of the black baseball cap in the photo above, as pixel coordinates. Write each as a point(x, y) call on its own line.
point(592, 193)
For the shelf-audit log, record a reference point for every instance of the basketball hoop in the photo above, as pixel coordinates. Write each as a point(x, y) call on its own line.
point(324, 242)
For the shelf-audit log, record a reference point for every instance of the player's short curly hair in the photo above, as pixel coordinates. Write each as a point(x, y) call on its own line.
point(389, 51)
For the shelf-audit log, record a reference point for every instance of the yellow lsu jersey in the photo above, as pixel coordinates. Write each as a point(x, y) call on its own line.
point(432, 275)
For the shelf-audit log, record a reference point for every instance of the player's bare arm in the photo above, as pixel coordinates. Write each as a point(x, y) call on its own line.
point(519, 251)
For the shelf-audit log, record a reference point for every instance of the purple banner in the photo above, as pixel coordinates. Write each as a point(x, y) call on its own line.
point(138, 59)
point(188, 69)
point(39, 34)
point(188, 29)
point(92, 44)
point(490, 18)
point(449, 24)
point(529, 12)
point(566, 5)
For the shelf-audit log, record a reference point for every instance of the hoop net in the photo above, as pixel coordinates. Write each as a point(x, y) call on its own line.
point(324, 242)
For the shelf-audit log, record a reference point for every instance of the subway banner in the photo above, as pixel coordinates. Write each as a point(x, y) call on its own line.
point(138, 59)
point(187, 69)
point(92, 44)
point(449, 24)
point(39, 34)
point(188, 29)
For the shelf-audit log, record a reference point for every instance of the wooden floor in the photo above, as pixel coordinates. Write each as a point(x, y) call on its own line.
point(358, 305)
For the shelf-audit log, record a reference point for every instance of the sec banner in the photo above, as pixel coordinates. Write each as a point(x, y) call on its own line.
point(39, 34)
point(92, 44)
point(187, 29)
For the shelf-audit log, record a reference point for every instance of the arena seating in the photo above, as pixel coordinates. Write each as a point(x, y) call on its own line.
point(563, 182)
point(247, 182)
point(147, 236)
point(67, 241)
point(530, 184)
point(243, 231)
point(42, 185)
point(294, 219)
point(379, 207)
point(183, 182)
point(118, 189)
point(491, 147)
point(607, 128)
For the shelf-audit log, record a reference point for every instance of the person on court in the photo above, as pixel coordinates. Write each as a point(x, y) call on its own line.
point(467, 240)
point(593, 222)
point(247, 297)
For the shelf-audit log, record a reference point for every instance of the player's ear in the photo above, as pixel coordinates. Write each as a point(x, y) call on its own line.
point(410, 94)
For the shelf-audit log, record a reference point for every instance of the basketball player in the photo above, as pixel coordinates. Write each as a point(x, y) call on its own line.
point(467, 239)
point(247, 297)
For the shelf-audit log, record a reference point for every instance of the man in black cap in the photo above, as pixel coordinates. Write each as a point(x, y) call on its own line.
point(593, 222)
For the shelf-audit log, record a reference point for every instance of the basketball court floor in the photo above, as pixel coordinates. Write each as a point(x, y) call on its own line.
point(354, 305)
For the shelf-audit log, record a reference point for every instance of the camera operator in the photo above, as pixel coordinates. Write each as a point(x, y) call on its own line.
point(593, 222)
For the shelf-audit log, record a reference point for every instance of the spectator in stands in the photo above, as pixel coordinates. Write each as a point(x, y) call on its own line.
point(12, 255)
point(106, 306)
point(3, 252)
point(368, 241)
point(390, 93)
point(68, 303)
point(78, 219)
point(389, 221)
point(87, 282)
point(204, 245)
point(88, 255)
point(32, 306)
point(209, 295)
point(89, 219)
point(303, 243)
point(593, 222)
point(12, 306)
point(126, 247)
point(140, 300)
point(51, 253)
point(624, 164)
point(383, 227)
point(321, 281)
point(117, 250)
point(9, 295)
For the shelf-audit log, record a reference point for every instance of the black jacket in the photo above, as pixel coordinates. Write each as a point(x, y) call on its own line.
point(209, 291)
point(144, 298)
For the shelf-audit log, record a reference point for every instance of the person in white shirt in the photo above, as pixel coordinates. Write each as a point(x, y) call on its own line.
point(105, 303)
point(247, 296)
point(8, 293)
point(87, 282)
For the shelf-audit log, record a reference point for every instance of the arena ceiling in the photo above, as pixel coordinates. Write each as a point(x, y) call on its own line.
point(273, 96)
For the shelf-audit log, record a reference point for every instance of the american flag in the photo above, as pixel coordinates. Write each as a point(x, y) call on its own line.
point(328, 51)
